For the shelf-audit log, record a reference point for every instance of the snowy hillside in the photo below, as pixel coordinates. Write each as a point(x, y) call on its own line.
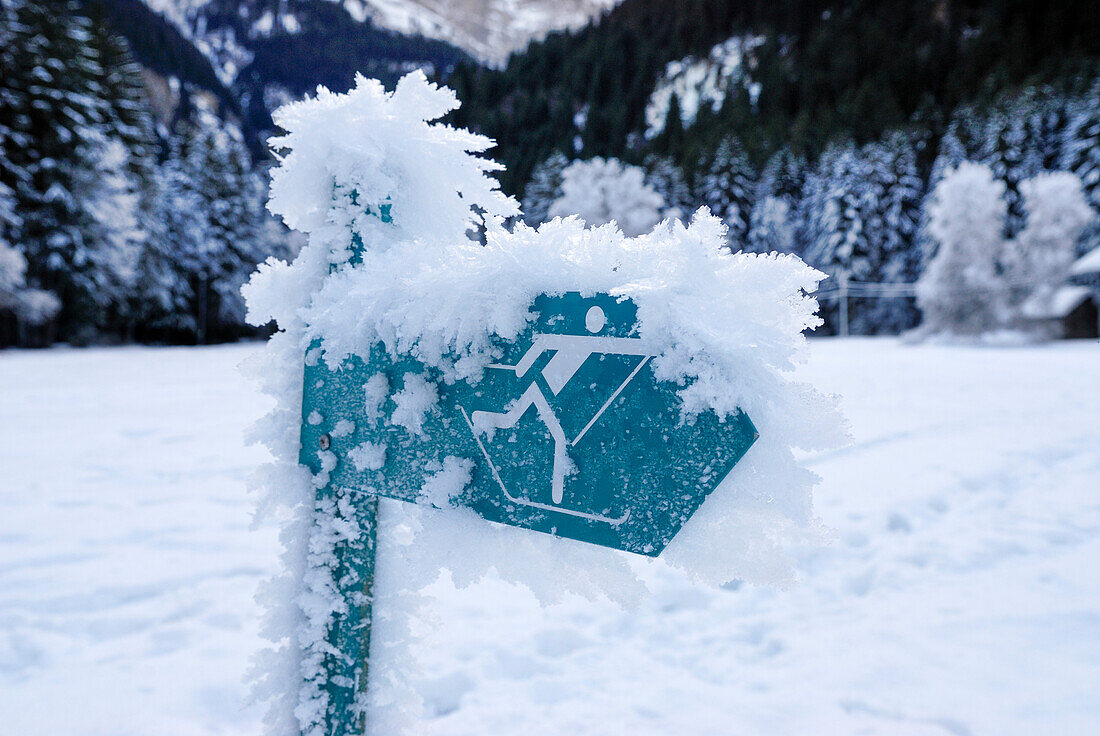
point(703, 81)
point(487, 29)
point(959, 594)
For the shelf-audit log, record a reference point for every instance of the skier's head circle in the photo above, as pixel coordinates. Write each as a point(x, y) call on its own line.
point(595, 320)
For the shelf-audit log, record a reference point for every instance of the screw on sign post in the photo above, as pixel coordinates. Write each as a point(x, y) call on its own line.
point(570, 433)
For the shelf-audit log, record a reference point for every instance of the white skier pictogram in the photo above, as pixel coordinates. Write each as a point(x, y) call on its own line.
point(569, 353)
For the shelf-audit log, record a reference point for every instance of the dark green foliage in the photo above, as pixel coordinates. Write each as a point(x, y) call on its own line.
point(209, 240)
point(667, 178)
point(56, 116)
point(543, 189)
point(158, 46)
point(727, 186)
point(328, 47)
point(138, 233)
point(827, 70)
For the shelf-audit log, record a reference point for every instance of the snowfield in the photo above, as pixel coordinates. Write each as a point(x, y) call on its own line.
point(960, 594)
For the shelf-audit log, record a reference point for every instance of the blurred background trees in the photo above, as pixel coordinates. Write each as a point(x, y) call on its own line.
point(132, 158)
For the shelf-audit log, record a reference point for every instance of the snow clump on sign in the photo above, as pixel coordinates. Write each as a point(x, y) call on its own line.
point(727, 329)
point(368, 456)
point(413, 402)
point(446, 481)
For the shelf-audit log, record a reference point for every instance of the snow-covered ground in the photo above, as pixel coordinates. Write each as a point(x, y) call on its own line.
point(961, 593)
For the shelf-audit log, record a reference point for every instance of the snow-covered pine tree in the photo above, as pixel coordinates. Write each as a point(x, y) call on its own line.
point(949, 155)
point(173, 251)
point(961, 290)
point(55, 110)
point(602, 191)
point(1080, 153)
point(1046, 122)
point(894, 204)
point(667, 178)
point(1037, 261)
point(20, 306)
point(840, 201)
point(78, 148)
point(774, 225)
point(239, 220)
point(226, 246)
point(727, 188)
point(130, 209)
point(1013, 152)
point(543, 189)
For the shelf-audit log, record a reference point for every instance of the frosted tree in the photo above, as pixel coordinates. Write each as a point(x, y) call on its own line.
point(1013, 149)
point(774, 223)
point(606, 190)
point(13, 268)
point(1037, 261)
point(233, 200)
point(667, 178)
point(961, 291)
point(543, 189)
point(727, 188)
point(1080, 153)
point(961, 142)
point(28, 306)
point(839, 241)
point(210, 235)
point(893, 210)
point(55, 113)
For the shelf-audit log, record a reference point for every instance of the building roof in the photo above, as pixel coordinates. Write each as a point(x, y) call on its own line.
point(1057, 305)
point(1086, 264)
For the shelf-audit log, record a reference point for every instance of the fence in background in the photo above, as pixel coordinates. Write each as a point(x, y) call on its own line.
point(843, 289)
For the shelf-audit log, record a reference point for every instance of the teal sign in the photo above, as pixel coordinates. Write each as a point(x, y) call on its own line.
point(569, 433)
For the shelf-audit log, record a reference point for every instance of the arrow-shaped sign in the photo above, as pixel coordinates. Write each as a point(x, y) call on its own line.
point(569, 433)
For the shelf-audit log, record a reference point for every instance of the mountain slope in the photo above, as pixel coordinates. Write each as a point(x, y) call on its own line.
point(270, 51)
point(175, 70)
point(826, 69)
point(490, 30)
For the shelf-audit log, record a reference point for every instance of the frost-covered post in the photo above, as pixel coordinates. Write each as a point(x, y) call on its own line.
point(568, 381)
point(344, 534)
point(366, 172)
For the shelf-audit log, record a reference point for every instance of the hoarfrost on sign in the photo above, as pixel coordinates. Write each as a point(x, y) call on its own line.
point(413, 402)
point(726, 329)
point(446, 481)
point(376, 390)
point(343, 428)
point(368, 456)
